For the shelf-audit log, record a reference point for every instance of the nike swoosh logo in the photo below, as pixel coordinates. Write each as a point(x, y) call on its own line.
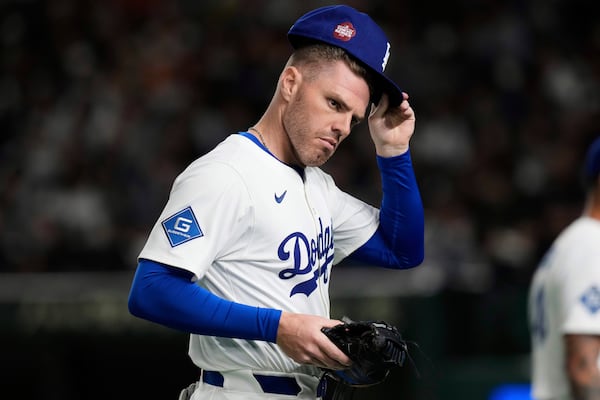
point(279, 199)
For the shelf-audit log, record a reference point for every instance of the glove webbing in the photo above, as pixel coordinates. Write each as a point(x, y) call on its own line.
point(342, 391)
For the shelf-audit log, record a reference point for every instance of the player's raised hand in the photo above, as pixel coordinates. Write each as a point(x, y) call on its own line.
point(301, 338)
point(391, 128)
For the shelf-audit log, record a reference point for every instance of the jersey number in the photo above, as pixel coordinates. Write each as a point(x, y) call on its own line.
point(538, 318)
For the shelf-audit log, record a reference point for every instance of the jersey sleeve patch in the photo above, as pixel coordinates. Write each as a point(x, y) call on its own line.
point(182, 227)
point(591, 299)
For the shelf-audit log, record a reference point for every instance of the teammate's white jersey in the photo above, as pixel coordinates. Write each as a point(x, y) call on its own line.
point(564, 298)
point(255, 231)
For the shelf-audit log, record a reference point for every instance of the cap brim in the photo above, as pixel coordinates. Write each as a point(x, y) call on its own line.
point(591, 166)
point(387, 86)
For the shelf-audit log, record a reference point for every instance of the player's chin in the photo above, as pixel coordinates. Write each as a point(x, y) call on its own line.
point(319, 158)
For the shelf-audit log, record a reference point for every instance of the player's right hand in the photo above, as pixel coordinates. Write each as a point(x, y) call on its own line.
point(301, 338)
point(391, 128)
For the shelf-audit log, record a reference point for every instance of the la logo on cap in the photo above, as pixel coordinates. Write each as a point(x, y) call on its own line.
point(344, 31)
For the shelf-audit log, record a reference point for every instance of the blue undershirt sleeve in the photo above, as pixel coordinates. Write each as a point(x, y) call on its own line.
point(399, 240)
point(166, 295)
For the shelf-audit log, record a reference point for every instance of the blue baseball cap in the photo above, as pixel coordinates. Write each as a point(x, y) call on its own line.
point(355, 32)
point(591, 166)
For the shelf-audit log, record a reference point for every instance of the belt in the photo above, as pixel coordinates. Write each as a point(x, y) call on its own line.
point(286, 385)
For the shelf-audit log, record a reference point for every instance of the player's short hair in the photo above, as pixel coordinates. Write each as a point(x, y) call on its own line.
point(312, 55)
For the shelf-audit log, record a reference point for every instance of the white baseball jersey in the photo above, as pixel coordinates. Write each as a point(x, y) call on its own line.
point(564, 298)
point(253, 230)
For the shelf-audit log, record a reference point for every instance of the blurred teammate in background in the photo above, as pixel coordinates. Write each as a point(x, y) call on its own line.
point(564, 303)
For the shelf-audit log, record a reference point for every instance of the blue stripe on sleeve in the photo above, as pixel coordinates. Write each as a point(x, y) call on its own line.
point(399, 241)
point(167, 296)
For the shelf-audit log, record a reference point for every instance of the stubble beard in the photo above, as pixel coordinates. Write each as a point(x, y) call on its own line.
point(295, 123)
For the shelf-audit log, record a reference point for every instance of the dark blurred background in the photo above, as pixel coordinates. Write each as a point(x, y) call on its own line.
point(103, 103)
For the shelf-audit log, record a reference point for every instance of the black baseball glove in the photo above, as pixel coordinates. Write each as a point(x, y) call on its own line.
point(375, 347)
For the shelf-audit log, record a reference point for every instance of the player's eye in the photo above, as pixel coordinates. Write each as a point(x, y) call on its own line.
point(334, 104)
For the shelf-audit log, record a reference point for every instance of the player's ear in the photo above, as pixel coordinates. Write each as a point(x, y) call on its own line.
point(290, 81)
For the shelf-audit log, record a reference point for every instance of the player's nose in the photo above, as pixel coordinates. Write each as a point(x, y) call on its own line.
point(343, 125)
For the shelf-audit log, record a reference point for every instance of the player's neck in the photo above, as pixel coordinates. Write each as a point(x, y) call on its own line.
point(592, 204)
point(593, 212)
point(274, 138)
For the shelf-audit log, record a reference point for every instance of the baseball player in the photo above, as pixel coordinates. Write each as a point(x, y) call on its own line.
point(242, 254)
point(564, 303)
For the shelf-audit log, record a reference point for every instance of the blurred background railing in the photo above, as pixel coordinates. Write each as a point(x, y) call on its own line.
point(68, 335)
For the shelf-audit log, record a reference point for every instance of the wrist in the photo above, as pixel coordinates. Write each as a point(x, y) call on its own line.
point(283, 325)
point(388, 151)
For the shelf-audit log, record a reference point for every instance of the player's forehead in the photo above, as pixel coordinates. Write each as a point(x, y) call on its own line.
point(336, 79)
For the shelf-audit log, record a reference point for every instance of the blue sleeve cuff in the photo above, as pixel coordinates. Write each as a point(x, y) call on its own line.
point(166, 295)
